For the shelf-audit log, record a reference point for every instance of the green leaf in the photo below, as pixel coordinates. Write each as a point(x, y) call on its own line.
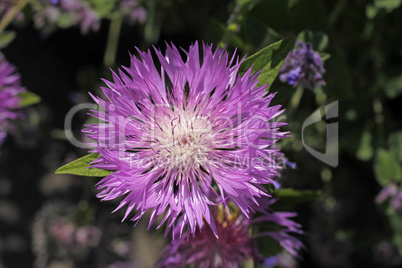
point(65, 20)
point(386, 167)
point(378, 5)
point(388, 5)
point(82, 167)
point(269, 60)
point(28, 98)
point(6, 37)
point(324, 56)
point(270, 187)
point(290, 197)
point(103, 7)
point(291, 193)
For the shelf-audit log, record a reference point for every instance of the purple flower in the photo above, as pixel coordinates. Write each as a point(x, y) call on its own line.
point(10, 87)
point(235, 245)
point(303, 67)
point(181, 138)
point(88, 235)
point(73, 12)
point(391, 192)
point(282, 259)
point(132, 11)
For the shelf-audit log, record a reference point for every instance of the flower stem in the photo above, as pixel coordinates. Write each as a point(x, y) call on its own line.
point(112, 41)
point(336, 11)
point(379, 121)
point(295, 101)
point(149, 30)
point(5, 21)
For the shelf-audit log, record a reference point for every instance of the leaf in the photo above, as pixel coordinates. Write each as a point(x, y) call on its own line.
point(6, 37)
point(103, 7)
point(65, 20)
point(324, 56)
point(269, 60)
point(287, 192)
point(28, 98)
point(270, 187)
point(386, 167)
point(290, 197)
point(388, 5)
point(82, 167)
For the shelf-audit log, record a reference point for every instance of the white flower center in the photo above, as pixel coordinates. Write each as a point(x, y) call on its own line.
point(183, 140)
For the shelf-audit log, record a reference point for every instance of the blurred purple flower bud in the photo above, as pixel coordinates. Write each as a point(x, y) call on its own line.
point(303, 67)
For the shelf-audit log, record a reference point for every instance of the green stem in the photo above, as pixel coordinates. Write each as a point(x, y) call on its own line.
point(320, 99)
point(294, 102)
point(336, 11)
point(112, 41)
point(10, 15)
point(379, 121)
point(149, 31)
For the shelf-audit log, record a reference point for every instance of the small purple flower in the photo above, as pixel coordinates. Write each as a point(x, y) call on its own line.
point(391, 192)
point(283, 259)
point(10, 87)
point(303, 67)
point(75, 12)
point(235, 244)
point(63, 231)
point(88, 235)
point(180, 138)
point(132, 11)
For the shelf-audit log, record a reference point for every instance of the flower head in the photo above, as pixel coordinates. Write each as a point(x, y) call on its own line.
point(303, 67)
point(235, 245)
point(10, 87)
point(180, 139)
